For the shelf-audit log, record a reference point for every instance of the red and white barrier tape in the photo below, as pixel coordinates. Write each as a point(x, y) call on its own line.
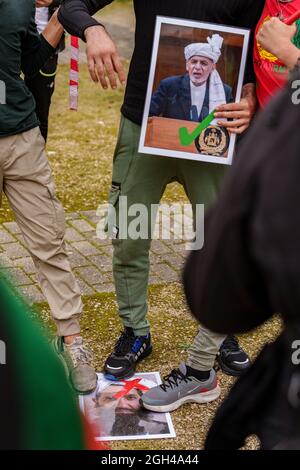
point(74, 69)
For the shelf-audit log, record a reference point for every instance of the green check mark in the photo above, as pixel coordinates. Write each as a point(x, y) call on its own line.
point(187, 138)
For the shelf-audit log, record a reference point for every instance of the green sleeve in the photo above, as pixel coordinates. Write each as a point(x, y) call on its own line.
point(50, 413)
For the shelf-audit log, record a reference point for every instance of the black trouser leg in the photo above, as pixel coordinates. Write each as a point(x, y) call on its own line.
point(42, 88)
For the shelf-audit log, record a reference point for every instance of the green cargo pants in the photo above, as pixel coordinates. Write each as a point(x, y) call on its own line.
point(143, 179)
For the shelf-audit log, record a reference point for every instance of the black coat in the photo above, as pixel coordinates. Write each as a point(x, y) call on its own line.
point(249, 269)
point(172, 99)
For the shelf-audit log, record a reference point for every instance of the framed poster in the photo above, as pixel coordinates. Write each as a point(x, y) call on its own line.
point(195, 67)
point(116, 412)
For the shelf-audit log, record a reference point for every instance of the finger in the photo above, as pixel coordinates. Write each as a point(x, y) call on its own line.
point(110, 72)
point(100, 73)
point(233, 114)
point(91, 68)
point(237, 130)
point(232, 106)
point(119, 68)
point(233, 124)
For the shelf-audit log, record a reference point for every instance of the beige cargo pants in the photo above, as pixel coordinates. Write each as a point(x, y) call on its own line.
point(25, 178)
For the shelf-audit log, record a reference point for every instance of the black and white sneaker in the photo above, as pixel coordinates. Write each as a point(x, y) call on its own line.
point(128, 351)
point(232, 358)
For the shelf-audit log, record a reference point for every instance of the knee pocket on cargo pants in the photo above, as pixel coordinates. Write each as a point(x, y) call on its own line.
point(58, 211)
point(112, 224)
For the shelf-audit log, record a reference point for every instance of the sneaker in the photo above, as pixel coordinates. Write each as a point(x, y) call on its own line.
point(129, 350)
point(77, 359)
point(179, 388)
point(232, 358)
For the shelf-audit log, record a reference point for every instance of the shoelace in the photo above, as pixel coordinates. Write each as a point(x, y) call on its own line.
point(231, 343)
point(124, 343)
point(80, 354)
point(173, 379)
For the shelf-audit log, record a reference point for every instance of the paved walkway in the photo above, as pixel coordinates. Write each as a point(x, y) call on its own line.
point(91, 258)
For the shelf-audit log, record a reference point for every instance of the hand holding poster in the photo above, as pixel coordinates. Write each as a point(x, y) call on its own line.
point(195, 68)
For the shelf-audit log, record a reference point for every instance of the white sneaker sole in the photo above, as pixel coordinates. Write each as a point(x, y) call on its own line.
point(204, 397)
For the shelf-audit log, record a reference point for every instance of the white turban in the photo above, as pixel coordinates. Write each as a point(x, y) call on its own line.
point(210, 49)
point(104, 383)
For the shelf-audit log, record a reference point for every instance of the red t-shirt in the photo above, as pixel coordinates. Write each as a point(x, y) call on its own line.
point(271, 74)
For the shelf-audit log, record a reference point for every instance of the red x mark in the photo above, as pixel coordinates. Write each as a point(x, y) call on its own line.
point(129, 385)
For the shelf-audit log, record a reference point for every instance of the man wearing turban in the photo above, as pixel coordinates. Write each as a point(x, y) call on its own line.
point(194, 95)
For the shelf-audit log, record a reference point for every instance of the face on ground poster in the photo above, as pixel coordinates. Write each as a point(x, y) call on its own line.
point(195, 68)
point(116, 412)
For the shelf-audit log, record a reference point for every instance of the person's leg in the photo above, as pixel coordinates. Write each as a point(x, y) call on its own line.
point(138, 183)
point(42, 87)
point(201, 182)
point(196, 380)
point(30, 190)
point(202, 188)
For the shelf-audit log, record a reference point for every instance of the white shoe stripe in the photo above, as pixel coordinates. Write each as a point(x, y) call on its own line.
point(203, 397)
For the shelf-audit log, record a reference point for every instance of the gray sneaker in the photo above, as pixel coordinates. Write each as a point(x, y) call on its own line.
point(77, 360)
point(178, 388)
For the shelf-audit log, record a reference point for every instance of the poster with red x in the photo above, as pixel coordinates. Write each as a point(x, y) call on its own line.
point(116, 411)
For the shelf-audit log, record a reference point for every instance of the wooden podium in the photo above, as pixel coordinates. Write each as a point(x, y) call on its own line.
point(163, 133)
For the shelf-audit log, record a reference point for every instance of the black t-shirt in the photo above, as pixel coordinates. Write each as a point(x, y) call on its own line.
point(75, 17)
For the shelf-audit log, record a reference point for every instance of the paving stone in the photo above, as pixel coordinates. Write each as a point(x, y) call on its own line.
point(91, 275)
point(158, 247)
point(35, 280)
point(82, 225)
point(76, 259)
point(105, 287)
point(85, 248)
point(6, 237)
point(18, 276)
point(73, 236)
point(15, 250)
point(101, 241)
point(84, 288)
point(91, 216)
point(90, 257)
point(165, 272)
point(5, 261)
point(154, 279)
point(12, 227)
point(32, 294)
point(92, 236)
point(108, 251)
point(72, 215)
point(20, 239)
point(102, 262)
point(176, 261)
point(179, 246)
point(26, 264)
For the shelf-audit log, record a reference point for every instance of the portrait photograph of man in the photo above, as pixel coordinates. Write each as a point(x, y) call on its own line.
point(115, 410)
point(195, 68)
